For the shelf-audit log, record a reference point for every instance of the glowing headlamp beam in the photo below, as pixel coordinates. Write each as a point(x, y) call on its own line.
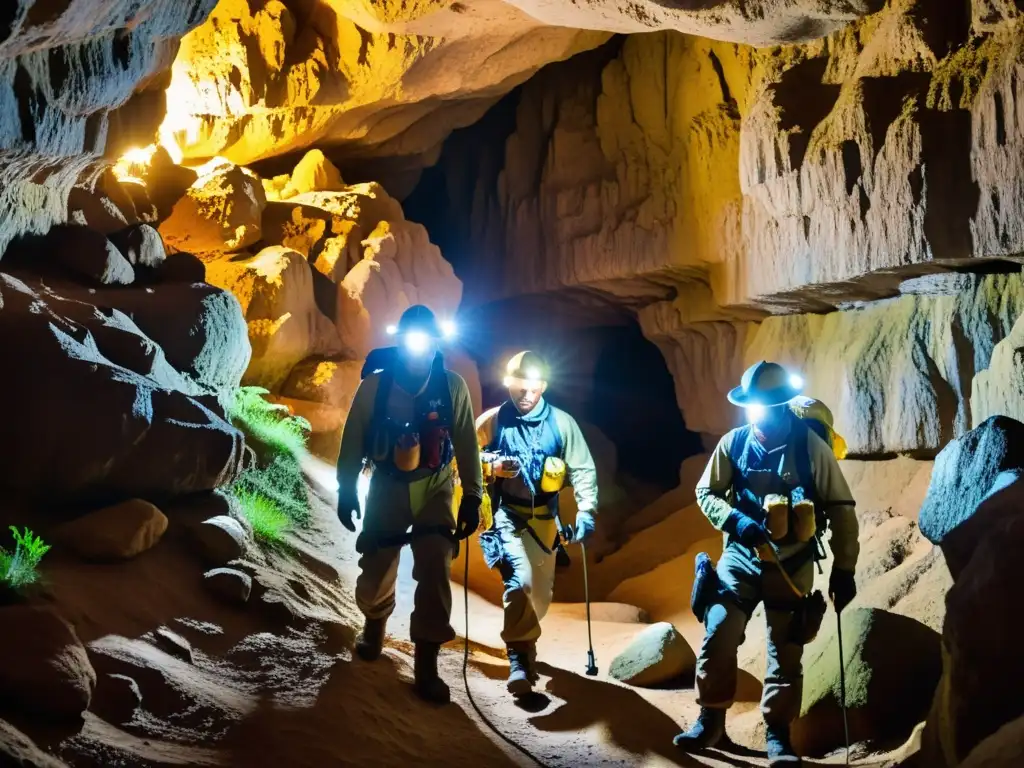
point(755, 413)
point(417, 342)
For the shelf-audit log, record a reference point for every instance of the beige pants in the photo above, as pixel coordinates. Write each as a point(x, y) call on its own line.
point(529, 575)
point(389, 512)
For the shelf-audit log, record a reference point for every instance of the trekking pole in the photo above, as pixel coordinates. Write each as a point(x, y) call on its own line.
point(591, 661)
point(842, 683)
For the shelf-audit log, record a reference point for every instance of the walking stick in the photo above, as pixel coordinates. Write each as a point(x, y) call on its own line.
point(842, 683)
point(591, 661)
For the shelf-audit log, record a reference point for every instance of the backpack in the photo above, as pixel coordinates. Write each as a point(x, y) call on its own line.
point(505, 414)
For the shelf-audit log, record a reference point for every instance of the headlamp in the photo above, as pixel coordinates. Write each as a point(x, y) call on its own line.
point(416, 342)
point(755, 413)
point(448, 329)
point(796, 381)
point(392, 330)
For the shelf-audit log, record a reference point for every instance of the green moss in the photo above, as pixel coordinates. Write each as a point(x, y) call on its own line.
point(277, 482)
point(268, 423)
point(19, 569)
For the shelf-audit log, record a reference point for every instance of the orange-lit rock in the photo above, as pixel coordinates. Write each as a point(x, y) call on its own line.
point(275, 289)
point(220, 212)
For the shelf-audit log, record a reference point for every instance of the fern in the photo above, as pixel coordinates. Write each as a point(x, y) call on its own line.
point(268, 423)
point(18, 569)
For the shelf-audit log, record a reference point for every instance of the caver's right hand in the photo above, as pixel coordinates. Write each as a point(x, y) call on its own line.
point(348, 511)
point(747, 531)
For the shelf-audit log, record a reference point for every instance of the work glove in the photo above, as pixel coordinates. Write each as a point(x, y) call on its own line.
point(585, 526)
point(841, 588)
point(469, 517)
point(348, 508)
point(747, 531)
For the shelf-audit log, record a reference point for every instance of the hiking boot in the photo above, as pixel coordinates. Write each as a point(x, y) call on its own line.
point(706, 732)
point(780, 751)
point(429, 686)
point(370, 642)
point(521, 676)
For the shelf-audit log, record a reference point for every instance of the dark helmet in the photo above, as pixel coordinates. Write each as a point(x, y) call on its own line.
point(766, 384)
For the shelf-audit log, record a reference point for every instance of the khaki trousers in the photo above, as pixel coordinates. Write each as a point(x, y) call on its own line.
point(529, 575)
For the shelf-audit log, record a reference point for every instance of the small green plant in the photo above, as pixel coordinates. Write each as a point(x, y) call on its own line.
point(269, 521)
point(18, 568)
point(268, 423)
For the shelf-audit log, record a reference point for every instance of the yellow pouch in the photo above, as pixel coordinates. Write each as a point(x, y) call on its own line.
point(486, 513)
point(804, 524)
point(406, 453)
point(776, 508)
point(554, 475)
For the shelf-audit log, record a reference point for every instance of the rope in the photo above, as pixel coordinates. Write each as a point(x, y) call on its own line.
point(465, 673)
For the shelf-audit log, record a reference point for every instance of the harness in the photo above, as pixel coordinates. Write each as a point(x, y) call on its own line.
point(795, 489)
point(435, 400)
point(545, 440)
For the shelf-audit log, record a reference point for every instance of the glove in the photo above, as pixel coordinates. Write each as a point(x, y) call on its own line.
point(841, 588)
point(469, 517)
point(585, 526)
point(747, 531)
point(348, 508)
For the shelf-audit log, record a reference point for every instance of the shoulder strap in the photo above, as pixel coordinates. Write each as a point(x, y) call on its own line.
point(441, 389)
point(552, 422)
point(380, 402)
point(802, 457)
point(739, 444)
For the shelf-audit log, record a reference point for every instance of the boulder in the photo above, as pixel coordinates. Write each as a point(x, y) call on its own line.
point(893, 665)
point(400, 267)
point(1003, 749)
point(982, 663)
point(116, 533)
point(220, 212)
point(116, 698)
point(174, 644)
point(657, 654)
point(142, 245)
point(88, 254)
point(44, 669)
point(302, 228)
point(314, 173)
point(331, 381)
point(17, 747)
point(199, 327)
point(221, 539)
point(150, 435)
point(182, 267)
point(102, 203)
point(275, 289)
point(229, 584)
point(966, 472)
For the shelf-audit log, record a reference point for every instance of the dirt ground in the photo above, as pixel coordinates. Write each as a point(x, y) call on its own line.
point(273, 683)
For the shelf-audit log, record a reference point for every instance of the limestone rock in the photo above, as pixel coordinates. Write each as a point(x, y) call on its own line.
point(151, 435)
point(998, 390)
point(200, 329)
point(275, 289)
point(307, 230)
point(43, 666)
point(982, 664)
point(116, 698)
point(229, 584)
point(88, 254)
point(182, 267)
point(221, 539)
point(220, 212)
point(892, 667)
point(1003, 749)
point(102, 203)
point(16, 746)
point(174, 644)
point(657, 654)
point(116, 533)
point(142, 245)
point(332, 381)
point(962, 500)
point(314, 173)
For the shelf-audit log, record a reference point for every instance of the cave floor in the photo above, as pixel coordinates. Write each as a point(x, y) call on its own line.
point(273, 682)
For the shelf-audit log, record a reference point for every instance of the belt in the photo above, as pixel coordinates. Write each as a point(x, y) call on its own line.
point(368, 544)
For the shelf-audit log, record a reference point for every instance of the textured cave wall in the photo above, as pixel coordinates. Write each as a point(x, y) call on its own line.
point(708, 185)
point(78, 80)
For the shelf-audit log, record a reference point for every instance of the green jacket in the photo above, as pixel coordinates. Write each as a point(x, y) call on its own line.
point(463, 434)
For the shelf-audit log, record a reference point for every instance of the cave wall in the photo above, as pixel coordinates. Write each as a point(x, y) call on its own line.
point(709, 185)
point(79, 80)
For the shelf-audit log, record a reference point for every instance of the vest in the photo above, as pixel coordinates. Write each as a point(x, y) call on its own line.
point(545, 440)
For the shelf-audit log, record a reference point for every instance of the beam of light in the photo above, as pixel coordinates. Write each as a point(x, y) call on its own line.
point(417, 342)
point(755, 413)
point(392, 330)
point(796, 381)
point(449, 329)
